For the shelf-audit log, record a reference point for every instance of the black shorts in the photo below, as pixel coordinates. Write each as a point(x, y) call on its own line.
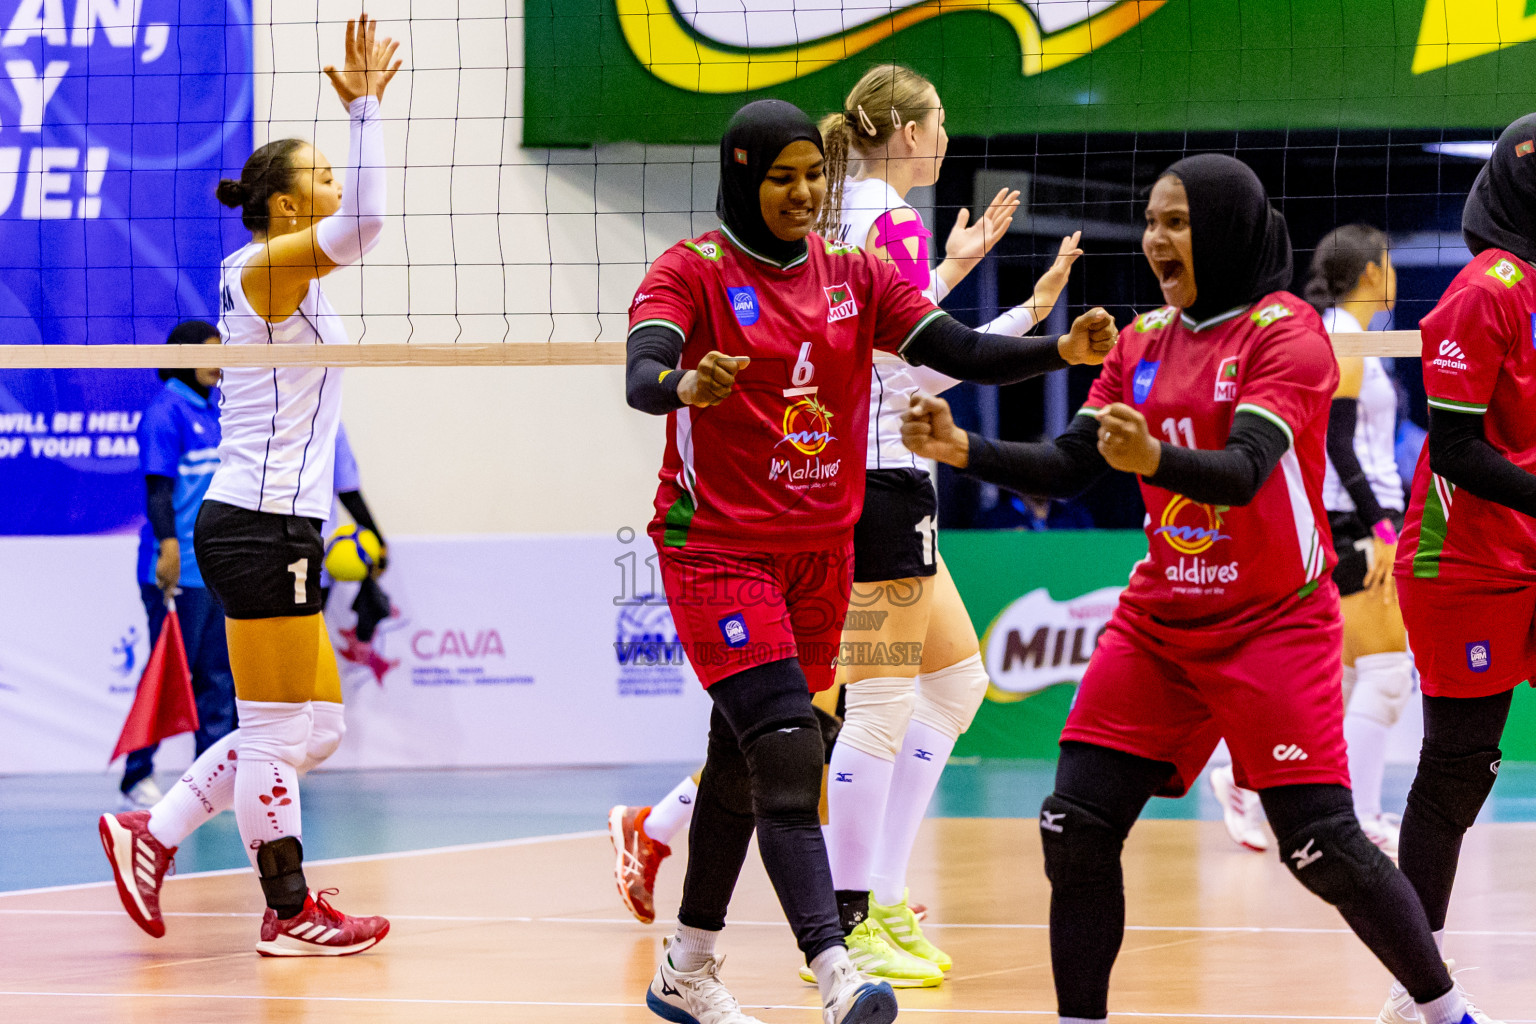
point(1352, 543)
point(260, 565)
point(896, 537)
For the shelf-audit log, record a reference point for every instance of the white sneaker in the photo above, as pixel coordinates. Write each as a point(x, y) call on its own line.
point(693, 997)
point(1240, 810)
point(1401, 1009)
point(144, 795)
point(857, 999)
point(1383, 829)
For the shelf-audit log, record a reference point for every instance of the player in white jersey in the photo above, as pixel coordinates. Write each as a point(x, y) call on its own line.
point(257, 536)
point(1350, 282)
point(901, 721)
point(889, 139)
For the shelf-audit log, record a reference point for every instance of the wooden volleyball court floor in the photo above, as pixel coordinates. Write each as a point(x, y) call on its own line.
point(531, 930)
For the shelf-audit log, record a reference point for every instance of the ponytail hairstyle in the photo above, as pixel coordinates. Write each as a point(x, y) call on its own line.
point(268, 172)
point(1339, 260)
point(880, 104)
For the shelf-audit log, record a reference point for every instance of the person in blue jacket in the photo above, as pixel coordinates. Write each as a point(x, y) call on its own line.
point(178, 451)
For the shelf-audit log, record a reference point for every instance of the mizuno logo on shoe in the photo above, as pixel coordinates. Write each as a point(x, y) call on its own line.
point(1051, 822)
point(668, 990)
point(1306, 855)
point(1289, 752)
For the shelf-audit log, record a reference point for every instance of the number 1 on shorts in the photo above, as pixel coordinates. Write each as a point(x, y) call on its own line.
point(300, 570)
point(928, 529)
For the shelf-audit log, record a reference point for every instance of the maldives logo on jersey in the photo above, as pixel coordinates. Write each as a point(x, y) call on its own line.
point(840, 304)
point(807, 427)
point(1189, 527)
point(1226, 379)
point(1141, 380)
point(744, 305)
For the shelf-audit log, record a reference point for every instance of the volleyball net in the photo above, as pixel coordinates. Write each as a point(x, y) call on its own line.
point(543, 153)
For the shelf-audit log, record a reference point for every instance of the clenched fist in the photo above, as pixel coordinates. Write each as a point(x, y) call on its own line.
point(928, 429)
point(710, 382)
point(1092, 336)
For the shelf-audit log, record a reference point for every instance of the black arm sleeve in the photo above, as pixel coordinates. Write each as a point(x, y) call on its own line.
point(1231, 476)
point(357, 508)
point(1341, 451)
point(651, 354)
point(1460, 452)
point(950, 347)
point(1062, 468)
point(162, 511)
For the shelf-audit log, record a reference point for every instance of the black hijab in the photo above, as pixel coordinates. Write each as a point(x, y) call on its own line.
point(1242, 250)
point(188, 332)
point(752, 141)
point(1501, 208)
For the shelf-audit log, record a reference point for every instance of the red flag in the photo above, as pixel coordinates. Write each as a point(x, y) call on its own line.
point(163, 705)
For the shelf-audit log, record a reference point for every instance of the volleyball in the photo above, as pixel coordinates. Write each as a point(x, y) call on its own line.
point(351, 553)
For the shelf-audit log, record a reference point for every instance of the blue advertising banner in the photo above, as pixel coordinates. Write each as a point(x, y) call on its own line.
point(117, 118)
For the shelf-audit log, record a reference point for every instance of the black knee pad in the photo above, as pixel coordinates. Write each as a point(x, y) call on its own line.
point(1334, 859)
point(830, 727)
point(1452, 785)
point(1082, 850)
point(786, 761)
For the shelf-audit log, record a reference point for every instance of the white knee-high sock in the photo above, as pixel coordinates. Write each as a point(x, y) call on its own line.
point(857, 784)
point(924, 753)
point(672, 812)
point(1383, 684)
point(273, 741)
point(207, 788)
point(1367, 742)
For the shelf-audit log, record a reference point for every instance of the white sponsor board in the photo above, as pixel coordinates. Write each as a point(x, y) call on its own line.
point(509, 651)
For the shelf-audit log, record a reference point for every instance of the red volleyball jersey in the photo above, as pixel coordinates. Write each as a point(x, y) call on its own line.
point(778, 465)
point(1479, 346)
point(1207, 563)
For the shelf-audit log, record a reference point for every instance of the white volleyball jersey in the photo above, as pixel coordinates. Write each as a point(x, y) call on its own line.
point(279, 424)
point(893, 380)
point(1375, 431)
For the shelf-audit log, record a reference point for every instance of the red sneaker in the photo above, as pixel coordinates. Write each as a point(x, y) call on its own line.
point(319, 930)
point(139, 863)
point(638, 857)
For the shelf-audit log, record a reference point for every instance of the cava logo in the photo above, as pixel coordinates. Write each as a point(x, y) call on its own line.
point(1456, 30)
point(1038, 641)
point(755, 44)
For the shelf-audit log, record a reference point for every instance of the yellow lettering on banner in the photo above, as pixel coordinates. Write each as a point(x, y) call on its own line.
point(1458, 30)
point(668, 50)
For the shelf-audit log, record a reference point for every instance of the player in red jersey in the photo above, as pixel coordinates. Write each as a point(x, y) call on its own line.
point(761, 484)
point(1465, 562)
point(1230, 626)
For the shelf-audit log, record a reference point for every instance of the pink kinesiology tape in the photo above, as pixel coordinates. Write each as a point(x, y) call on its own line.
point(914, 269)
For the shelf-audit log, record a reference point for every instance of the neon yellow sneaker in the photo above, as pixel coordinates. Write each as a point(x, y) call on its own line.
point(877, 958)
point(902, 931)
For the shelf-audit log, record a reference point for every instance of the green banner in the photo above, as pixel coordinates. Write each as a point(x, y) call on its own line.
point(672, 71)
point(1038, 601)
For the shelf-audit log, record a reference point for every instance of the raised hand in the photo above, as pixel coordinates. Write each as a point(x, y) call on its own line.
point(1092, 336)
point(928, 429)
point(711, 381)
point(971, 242)
point(1125, 442)
point(367, 70)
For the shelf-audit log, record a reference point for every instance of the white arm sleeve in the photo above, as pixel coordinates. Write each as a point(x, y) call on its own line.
point(351, 231)
point(938, 289)
point(930, 380)
point(1015, 323)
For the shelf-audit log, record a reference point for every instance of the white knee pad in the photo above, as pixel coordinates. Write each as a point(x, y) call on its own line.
point(274, 731)
point(330, 726)
point(947, 700)
point(876, 715)
point(1383, 684)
